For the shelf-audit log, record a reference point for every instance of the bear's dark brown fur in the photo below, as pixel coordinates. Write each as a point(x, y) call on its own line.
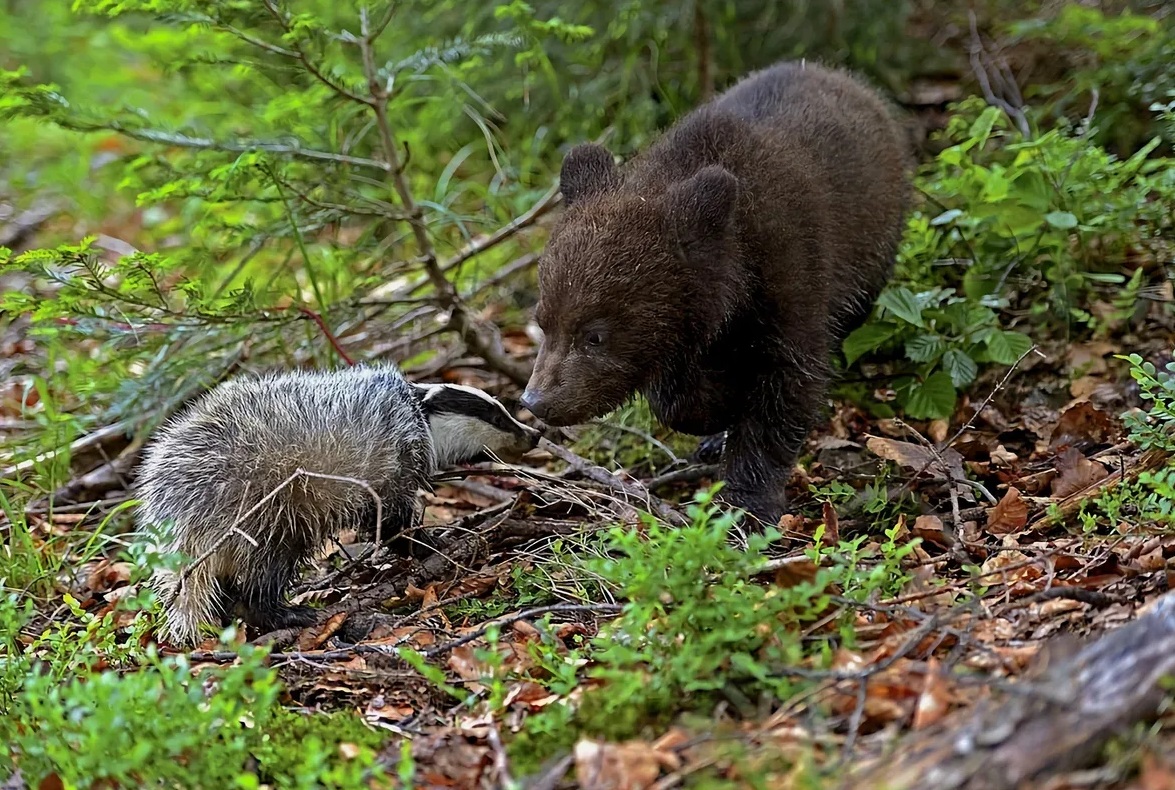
point(715, 272)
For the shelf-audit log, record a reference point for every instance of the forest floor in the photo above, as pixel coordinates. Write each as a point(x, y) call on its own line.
point(1003, 508)
point(980, 601)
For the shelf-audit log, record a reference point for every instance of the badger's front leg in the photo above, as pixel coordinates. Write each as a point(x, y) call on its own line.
point(402, 533)
point(263, 589)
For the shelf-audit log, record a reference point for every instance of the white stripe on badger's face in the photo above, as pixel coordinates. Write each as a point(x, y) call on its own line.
point(457, 438)
point(466, 422)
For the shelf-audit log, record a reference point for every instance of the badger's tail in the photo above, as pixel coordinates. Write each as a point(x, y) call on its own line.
point(187, 602)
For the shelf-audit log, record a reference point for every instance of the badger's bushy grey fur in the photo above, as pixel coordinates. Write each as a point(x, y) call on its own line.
point(243, 440)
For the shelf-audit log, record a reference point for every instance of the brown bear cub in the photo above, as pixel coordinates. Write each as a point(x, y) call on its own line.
point(715, 272)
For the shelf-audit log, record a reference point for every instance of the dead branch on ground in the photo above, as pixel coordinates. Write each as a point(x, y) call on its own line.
point(1057, 722)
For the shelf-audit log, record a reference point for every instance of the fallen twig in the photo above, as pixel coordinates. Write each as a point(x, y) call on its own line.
point(689, 474)
point(631, 490)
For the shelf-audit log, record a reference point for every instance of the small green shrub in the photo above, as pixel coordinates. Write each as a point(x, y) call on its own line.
point(1156, 428)
point(698, 628)
point(946, 336)
point(1150, 497)
point(1038, 226)
point(149, 721)
point(1125, 58)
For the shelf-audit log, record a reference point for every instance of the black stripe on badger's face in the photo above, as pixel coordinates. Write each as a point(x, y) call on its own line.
point(451, 400)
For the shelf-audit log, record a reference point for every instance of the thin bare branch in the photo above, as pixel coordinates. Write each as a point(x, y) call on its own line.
point(482, 339)
point(979, 57)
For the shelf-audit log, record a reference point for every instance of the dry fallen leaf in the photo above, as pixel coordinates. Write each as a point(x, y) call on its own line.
point(791, 571)
point(1010, 515)
point(1012, 568)
point(463, 661)
point(930, 528)
point(937, 431)
point(477, 585)
point(935, 699)
point(1157, 772)
point(945, 463)
point(1001, 456)
point(524, 630)
point(380, 709)
point(51, 782)
point(616, 766)
point(1082, 423)
point(1088, 358)
point(831, 525)
point(450, 758)
point(567, 630)
point(529, 693)
point(107, 574)
point(314, 637)
point(792, 524)
point(1076, 473)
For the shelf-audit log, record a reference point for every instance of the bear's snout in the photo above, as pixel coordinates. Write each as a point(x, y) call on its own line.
point(535, 402)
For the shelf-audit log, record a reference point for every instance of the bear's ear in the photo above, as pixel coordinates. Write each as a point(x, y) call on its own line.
point(701, 207)
point(588, 170)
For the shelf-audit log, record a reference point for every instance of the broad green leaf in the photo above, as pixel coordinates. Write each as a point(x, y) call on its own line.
point(961, 368)
point(925, 348)
point(932, 399)
point(865, 339)
point(947, 216)
point(981, 129)
point(1004, 348)
point(1063, 220)
point(978, 283)
point(1105, 277)
point(902, 303)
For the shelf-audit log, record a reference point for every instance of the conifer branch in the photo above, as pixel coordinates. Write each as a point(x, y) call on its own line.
point(309, 64)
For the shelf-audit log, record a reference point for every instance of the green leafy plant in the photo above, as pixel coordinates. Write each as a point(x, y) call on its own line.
point(698, 627)
point(1031, 225)
point(945, 335)
point(164, 724)
point(1156, 428)
point(1123, 59)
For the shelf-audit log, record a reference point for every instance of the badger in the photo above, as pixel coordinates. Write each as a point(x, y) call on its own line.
point(220, 483)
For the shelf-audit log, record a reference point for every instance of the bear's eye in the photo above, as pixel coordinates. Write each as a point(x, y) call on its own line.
point(593, 338)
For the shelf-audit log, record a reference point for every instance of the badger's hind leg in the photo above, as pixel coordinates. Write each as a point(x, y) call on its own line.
point(262, 598)
point(188, 602)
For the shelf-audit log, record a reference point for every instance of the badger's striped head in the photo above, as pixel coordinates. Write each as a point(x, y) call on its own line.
point(468, 425)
